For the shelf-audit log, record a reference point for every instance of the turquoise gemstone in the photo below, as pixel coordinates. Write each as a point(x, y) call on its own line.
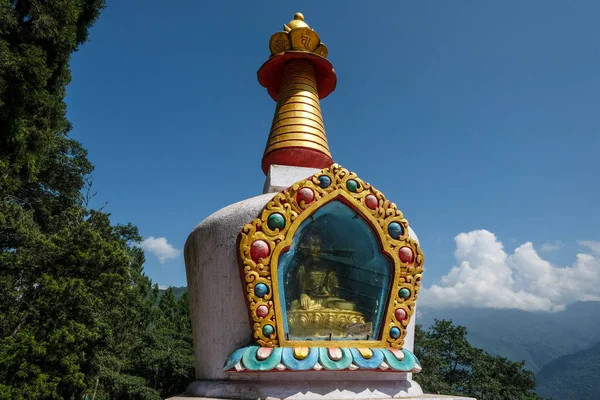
point(404, 293)
point(261, 290)
point(394, 333)
point(268, 330)
point(275, 221)
point(352, 185)
point(395, 230)
point(324, 181)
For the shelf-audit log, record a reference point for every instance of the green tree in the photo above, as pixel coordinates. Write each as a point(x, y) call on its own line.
point(452, 366)
point(38, 162)
point(74, 295)
point(167, 359)
point(72, 292)
point(159, 363)
point(117, 368)
point(77, 313)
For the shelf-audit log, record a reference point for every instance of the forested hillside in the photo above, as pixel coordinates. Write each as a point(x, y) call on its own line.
point(537, 338)
point(562, 348)
point(177, 291)
point(572, 377)
point(452, 365)
point(77, 313)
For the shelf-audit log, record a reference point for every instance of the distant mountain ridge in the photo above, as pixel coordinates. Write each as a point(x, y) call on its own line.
point(572, 377)
point(538, 338)
point(177, 290)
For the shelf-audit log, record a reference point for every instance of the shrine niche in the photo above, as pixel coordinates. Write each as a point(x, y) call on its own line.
point(336, 282)
point(331, 276)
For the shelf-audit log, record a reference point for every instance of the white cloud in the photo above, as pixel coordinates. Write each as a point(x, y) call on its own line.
point(551, 246)
point(594, 246)
point(163, 287)
point(162, 249)
point(486, 276)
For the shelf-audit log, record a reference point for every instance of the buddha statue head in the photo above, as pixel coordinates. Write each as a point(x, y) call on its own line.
point(313, 244)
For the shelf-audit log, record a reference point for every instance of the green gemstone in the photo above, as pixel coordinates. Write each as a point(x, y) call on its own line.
point(276, 221)
point(268, 330)
point(352, 185)
point(404, 293)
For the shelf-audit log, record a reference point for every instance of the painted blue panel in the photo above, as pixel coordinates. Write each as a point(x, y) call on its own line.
point(407, 363)
point(332, 365)
point(285, 355)
point(234, 358)
point(288, 359)
point(254, 364)
point(371, 363)
point(416, 360)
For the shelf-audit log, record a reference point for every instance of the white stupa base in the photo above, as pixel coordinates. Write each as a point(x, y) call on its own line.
point(304, 390)
point(311, 385)
point(309, 390)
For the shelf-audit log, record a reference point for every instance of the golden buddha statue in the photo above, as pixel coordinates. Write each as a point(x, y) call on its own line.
point(319, 311)
point(318, 284)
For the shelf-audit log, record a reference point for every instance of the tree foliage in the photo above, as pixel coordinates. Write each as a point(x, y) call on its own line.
point(452, 366)
point(77, 313)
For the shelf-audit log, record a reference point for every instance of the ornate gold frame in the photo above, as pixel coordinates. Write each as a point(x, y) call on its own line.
point(406, 275)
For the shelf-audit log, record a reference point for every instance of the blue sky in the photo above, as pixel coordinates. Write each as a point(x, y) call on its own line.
point(470, 115)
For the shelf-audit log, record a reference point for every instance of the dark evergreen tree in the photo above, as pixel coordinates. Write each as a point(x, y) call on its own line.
point(75, 306)
point(167, 357)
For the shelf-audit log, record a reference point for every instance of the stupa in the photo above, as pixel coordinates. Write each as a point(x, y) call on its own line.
point(309, 290)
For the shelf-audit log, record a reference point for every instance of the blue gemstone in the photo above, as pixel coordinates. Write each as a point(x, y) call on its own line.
point(324, 181)
point(394, 333)
point(395, 230)
point(268, 330)
point(261, 290)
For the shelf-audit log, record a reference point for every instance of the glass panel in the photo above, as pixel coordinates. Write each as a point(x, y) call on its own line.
point(334, 281)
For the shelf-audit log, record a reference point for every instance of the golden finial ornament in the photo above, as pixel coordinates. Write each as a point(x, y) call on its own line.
point(297, 36)
point(297, 75)
point(297, 22)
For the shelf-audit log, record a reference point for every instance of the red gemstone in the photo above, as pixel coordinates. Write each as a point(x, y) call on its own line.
point(259, 249)
point(406, 255)
point(305, 195)
point(371, 202)
point(262, 311)
point(400, 314)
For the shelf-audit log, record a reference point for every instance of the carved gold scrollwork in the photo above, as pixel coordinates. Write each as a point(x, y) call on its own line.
point(295, 205)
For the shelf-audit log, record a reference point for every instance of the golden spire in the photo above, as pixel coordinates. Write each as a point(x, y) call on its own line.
point(297, 75)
